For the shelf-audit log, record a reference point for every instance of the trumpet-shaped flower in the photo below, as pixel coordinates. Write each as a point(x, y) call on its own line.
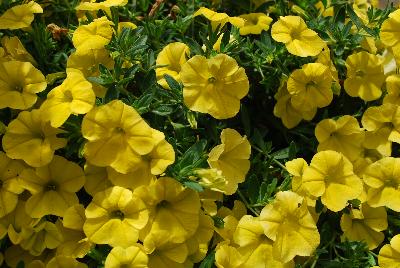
point(95, 35)
point(19, 83)
point(365, 224)
point(198, 244)
point(389, 255)
point(298, 38)
point(383, 181)
point(117, 136)
point(73, 96)
point(105, 5)
point(393, 90)
point(53, 187)
point(219, 19)
point(227, 256)
point(171, 58)
point(20, 16)
point(365, 76)
point(214, 86)
point(310, 87)
point(254, 23)
point(330, 176)
point(133, 257)
point(115, 217)
point(389, 33)
point(15, 50)
point(30, 138)
point(343, 135)
point(288, 223)
point(96, 179)
point(232, 158)
point(173, 208)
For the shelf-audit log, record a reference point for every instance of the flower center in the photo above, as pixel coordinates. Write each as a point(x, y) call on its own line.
point(51, 186)
point(360, 73)
point(68, 96)
point(311, 85)
point(212, 80)
point(119, 130)
point(391, 182)
point(117, 214)
point(163, 204)
point(19, 89)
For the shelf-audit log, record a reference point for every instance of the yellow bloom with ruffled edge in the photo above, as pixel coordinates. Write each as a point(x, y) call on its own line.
point(390, 33)
point(365, 224)
point(133, 256)
point(95, 35)
point(19, 83)
point(298, 38)
point(288, 223)
point(96, 179)
point(219, 18)
point(365, 76)
point(53, 187)
point(330, 176)
point(88, 63)
point(31, 138)
point(343, 135)
point(254, 23)
point(227, 256)
point(383, 180)
point(310, 87)
point(214, 86)
point(115, 217)
point(117, 136)
point(172, 208)
point(325, 58)
point(20, 16)
point(232, 158)
point(198, 243)
point(74, 96)
point(171, 58)
point(393, 90)
point(15, 50)
point(105, 5)
point(389, 255)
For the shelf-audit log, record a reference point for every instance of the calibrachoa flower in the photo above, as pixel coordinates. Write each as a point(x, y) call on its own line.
point(19, 83)
point(310, 87)
point(389, 33)
point(171, 58)
point(389, 255)
point(365, 76)
point(214, 86)
point(393, 90)
point(15, 50)
point(96, 179)
point(64, 262)
point(105, 5)
point(117, 136)
point(133, 257)
point(288, 223)
point(30, 138)
point(254, 23)
point(115, 217)
point(298, 38)
point(219, 19)
point(53, 187)
point(331, 177)
point(232, 158)
point(227, 256)
point(383, 181)
point(74, 96)
point(20, 16)
point(365, 224)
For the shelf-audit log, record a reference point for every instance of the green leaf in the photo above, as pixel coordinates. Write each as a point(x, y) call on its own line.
point(193, 185)
point(208, 261)
point(163, 110)
point(357, 21)
point(172, 83)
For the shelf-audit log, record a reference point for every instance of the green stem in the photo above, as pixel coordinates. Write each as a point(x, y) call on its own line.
point(243, 198)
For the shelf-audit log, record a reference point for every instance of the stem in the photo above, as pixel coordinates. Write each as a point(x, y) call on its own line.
point(247, 203)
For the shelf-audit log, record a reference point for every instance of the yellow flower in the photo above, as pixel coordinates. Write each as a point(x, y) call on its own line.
point(65, 262)
point(105, 5)
point(10, 170)
point(171, 58)
point(115, 217)
point(383, 180)
point(133, 257)
point(389, 255)
point(365, 76)
point(30, 138)
point(343, 135)
point(164, 252)
point(255, 23)
point(211, 178)
point(284, 109)
point(198, 244)
point(254, 246)
point(227, 256)
point(365, 224)
point(389, 33)
point(88, 63)
point(19, 83)
point(325, 58)
point(95, 35)
point(393, 90)
point(219, 18)
point(20, 16)
point(96, 179)
point(214, 86)
point(173, 208)
point(53, 187)
point(232, 158)
point(330, 176)
point(288, 223)
point(310, 87)
point(298, 38)
point(117, 136)
point(74, 96)
point(14, 50)
point(383, 122)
